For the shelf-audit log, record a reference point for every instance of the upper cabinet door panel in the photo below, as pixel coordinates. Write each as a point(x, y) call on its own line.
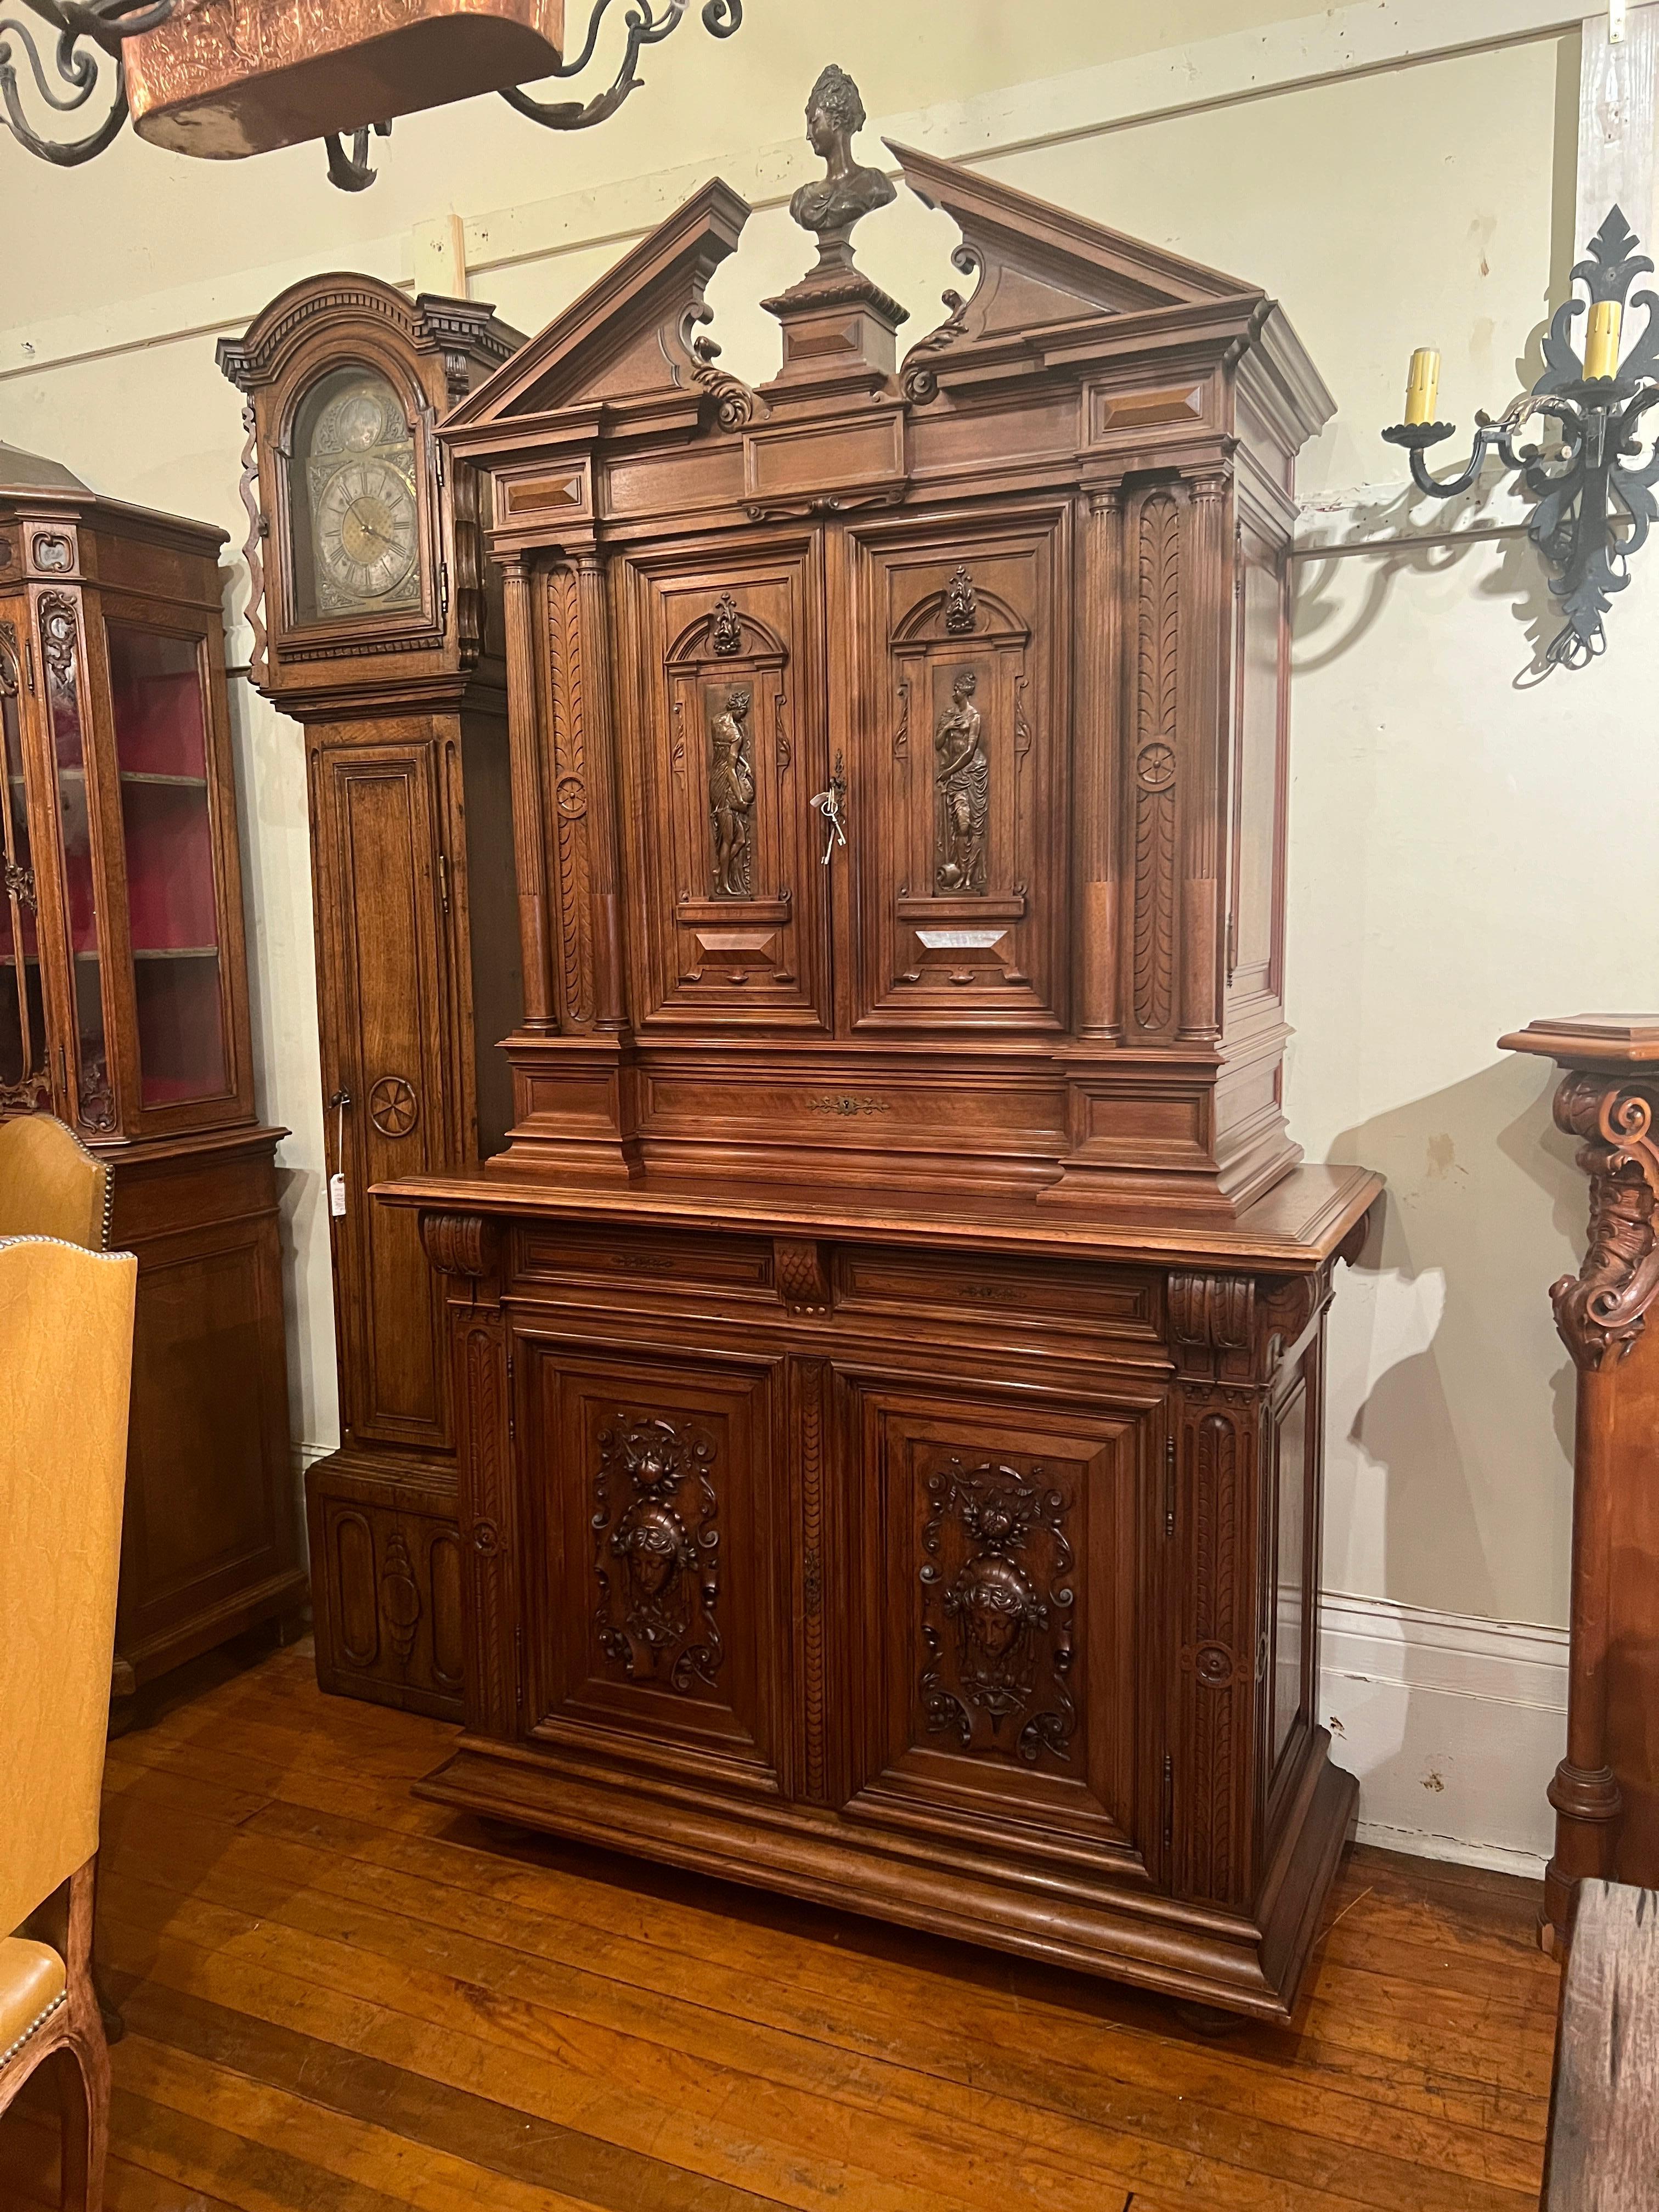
point(955, 727)
point(722, 760)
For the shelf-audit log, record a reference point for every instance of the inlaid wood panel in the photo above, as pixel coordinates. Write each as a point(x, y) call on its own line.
point(652, 1541)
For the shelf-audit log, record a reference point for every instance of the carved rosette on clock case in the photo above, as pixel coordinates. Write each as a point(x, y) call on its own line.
point(900, 1369)
point(378, 625)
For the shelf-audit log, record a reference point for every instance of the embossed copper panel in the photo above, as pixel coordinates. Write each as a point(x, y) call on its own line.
point(229, 77)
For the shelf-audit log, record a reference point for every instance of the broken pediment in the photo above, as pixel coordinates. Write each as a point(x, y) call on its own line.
point(631, 336)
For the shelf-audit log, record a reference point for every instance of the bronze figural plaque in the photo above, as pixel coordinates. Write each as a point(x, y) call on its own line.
point(229, 77)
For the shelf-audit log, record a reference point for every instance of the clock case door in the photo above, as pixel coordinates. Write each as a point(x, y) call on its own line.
point(296, 636)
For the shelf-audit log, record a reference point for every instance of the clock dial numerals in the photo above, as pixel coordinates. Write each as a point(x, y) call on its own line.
point(356, 507)
point(368, 533)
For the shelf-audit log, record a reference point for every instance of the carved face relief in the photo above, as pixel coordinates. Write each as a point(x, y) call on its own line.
point(657, 1552)
point(1009, 1602)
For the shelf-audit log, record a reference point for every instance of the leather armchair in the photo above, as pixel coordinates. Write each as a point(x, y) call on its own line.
point(65, 1378)
point(52, 1186)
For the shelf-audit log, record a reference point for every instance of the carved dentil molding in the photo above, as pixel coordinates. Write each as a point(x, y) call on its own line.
point(1603, 1310)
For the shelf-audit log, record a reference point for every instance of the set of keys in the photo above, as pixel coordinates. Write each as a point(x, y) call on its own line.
point(829, 804)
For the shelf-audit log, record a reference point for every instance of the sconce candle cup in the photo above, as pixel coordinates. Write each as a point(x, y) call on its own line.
point(1594, 509)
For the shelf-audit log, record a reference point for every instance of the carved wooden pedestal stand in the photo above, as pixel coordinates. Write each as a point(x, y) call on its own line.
point(1606, 1790)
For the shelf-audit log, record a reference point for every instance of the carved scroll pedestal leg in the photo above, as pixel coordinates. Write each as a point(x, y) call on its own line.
point(1606, 1099)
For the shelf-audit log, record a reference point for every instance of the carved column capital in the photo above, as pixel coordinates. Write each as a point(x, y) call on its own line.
point(1214, 484)
point(1603, 1310)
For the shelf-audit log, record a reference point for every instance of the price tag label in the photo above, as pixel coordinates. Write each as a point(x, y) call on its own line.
point(337, 1195)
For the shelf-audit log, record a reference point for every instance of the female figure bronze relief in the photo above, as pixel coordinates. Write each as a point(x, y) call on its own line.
point(963, 781)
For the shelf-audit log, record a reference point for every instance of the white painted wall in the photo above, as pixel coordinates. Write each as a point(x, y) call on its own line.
point(1399, 172)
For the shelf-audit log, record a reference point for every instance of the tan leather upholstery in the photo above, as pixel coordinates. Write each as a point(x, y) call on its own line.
point(65, 1373)
point(32, 1979)
point(50, 1184)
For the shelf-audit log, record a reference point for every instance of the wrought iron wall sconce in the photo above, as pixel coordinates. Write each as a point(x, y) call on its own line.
point(1596, 503)
point(83, 63)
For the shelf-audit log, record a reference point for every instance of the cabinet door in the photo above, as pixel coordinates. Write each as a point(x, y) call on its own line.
point(25, 1074)
point(999, 1619)
point(383, 1012)
point(950, 698)
point(722, 758)
point(172, 952)
point(654, 1556)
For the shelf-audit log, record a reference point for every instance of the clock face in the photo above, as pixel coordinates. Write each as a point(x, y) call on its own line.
point(367, 532)
point(357, 515)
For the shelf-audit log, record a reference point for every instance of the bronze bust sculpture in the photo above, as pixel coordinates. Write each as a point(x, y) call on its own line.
point(829, 207)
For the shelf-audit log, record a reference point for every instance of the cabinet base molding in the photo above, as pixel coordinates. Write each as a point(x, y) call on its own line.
point(1123, 1930)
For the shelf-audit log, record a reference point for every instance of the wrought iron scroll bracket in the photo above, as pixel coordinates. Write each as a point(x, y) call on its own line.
point(75, 73)
point(645, 26)
point(1594, 509)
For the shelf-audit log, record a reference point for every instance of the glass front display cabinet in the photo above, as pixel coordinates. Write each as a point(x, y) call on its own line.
point(124, 1011)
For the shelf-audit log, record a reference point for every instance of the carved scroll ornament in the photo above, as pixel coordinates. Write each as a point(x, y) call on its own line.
point(657, 1552)
point(1603, 1310)
point(1009, 1614)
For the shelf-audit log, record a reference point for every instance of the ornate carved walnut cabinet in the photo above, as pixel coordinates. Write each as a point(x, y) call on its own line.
point(124, 1011)
point(889, 1348)
point(373, 626)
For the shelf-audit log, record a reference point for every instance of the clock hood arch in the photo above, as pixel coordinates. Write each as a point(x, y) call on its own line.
point(432, 351)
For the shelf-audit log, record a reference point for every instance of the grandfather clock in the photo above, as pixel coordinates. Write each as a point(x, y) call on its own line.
point(373, 626)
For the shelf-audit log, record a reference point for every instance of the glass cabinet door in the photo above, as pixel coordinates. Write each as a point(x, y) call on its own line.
point(93, 1101)
point(25, 1081)
point(159, 710)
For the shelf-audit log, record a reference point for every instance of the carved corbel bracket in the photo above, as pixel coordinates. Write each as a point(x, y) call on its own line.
point(468, 1247)
point(801, 1270)
point(1212, 1324)
point(1603, 1310)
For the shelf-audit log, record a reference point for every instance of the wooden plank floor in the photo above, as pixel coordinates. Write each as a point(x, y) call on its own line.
point(341, 2000)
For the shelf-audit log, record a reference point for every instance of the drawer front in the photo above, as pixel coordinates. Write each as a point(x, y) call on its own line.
point(999, 1576)
point(652, 1553)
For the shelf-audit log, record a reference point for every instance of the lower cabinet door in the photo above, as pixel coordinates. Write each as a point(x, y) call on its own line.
point(655, 1557)
point(1001, 1564)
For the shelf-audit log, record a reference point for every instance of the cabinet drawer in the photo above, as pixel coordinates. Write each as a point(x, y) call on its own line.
point(1114, 1303)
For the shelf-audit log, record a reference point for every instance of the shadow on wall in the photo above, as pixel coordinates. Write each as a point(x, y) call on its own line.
point(1455, 1392)
point(1329, 624)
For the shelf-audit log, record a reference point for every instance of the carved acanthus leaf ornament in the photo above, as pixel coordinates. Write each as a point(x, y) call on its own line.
point(1603, 1310)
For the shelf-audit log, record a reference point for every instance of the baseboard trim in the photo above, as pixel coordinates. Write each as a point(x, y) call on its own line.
point(1453, 1724)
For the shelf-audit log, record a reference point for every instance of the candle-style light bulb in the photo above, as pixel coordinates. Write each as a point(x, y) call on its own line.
point(1601, 340)
point(1423, 385)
